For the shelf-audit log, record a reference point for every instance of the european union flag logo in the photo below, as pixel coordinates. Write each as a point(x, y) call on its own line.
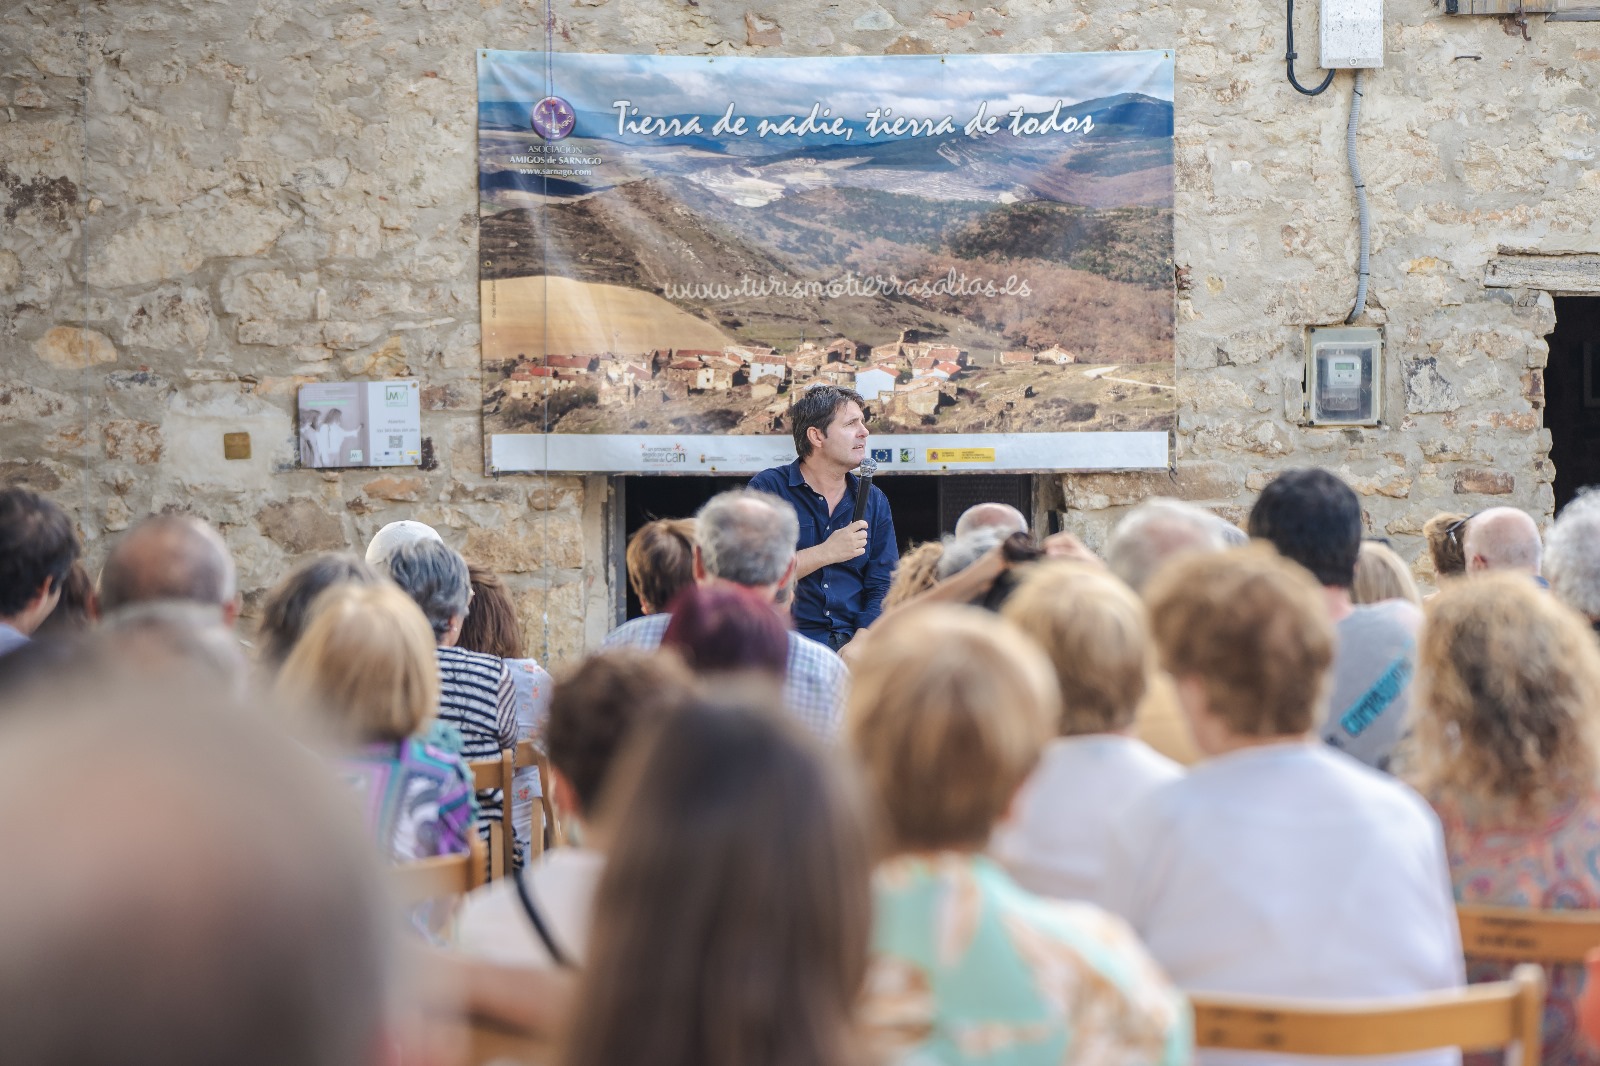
point(883, 455)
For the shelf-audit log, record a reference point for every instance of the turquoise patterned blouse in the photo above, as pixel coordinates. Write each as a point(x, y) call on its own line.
point(970, 968)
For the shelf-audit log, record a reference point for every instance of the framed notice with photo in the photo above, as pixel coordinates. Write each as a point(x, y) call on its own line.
point(673, 248)
point(360, 423)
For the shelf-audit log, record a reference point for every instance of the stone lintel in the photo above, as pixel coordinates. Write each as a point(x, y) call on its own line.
point(1574, 272)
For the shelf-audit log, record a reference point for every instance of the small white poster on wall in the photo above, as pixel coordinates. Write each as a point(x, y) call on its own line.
point(360, 423)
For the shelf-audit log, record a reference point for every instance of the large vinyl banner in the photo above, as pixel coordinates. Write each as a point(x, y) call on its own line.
point(674, 248)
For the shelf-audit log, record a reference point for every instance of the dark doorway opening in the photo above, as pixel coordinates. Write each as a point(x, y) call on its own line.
point(1572, 396)
point(925, 506)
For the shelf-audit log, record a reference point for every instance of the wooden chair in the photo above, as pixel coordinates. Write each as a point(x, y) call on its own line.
point(491, 774)
point(492, 1042)
point(1478, 1017)
point(1517, 934)
point(528, 754)
point(447, 875)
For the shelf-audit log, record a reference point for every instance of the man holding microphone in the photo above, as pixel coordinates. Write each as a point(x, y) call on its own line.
point(843, 567)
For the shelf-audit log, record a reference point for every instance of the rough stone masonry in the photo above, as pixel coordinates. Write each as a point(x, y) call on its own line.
point(207, 204)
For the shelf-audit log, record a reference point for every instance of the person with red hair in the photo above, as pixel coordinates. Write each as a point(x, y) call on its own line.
point(725, 629)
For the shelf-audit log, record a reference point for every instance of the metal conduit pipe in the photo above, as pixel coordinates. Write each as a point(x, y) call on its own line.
point(1361, 196)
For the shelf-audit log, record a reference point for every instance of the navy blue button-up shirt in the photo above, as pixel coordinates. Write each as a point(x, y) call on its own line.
point(843, 597)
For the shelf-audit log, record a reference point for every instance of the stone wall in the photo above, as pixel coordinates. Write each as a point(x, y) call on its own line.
point(207, 204)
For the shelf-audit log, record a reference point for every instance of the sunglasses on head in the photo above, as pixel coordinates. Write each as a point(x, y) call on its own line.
point(1452, 531)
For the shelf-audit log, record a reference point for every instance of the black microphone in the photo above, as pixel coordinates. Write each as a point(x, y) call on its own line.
point(863, 486)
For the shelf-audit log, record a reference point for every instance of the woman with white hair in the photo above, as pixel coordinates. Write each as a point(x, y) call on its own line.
point(1572, 556)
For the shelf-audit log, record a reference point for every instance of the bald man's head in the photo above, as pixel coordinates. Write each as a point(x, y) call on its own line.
point(235, 915)
point(170, 557)
point(1001, 516)
point(1501, 538)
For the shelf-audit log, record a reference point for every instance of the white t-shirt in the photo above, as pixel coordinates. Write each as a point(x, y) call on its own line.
point(1290, 870)
point(1056, 841)
point(494, 927)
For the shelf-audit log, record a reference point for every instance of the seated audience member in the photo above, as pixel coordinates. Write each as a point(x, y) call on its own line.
point(1382, 575)
point(396, 535)
point(961, 552)
point(1314, 519)
point(731, 922)
point(222, 908)
point(37, 549)
point(1276, 866)
point(1443, 533)
point(661, 562)
point(948, 715)
point(725, 629)
point(747, 538)
point(1094, 631)
point(1572, 556)
point(1507, 727)
point(1502, 538)
point(493, 629)
point(285, 610)
point(1001, 516)
point(1149, 535)
point(593, 714)
point(168, 641)
point(76, 611)
point(915, 573)
point(993, 560)
point(1157, 530)
point(170, 557)
point(365, 666)
point(476, 694)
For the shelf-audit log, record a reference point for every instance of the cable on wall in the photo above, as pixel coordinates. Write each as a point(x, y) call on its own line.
point(1292, 55)
point(1361, 196)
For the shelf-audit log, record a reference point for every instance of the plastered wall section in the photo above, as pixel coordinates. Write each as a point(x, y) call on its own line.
point(207, 204)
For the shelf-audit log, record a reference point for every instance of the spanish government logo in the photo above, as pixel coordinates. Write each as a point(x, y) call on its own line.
point(553, 118)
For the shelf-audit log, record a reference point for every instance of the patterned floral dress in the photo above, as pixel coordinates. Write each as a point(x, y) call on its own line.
point(416, 795)
point(1551, 864)
point(969, 968)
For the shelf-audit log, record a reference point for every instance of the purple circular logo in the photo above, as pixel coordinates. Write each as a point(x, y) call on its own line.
point(553, 118)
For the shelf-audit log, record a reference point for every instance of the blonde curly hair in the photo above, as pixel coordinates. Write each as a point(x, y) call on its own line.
point(916, 573)
point(1508, 697)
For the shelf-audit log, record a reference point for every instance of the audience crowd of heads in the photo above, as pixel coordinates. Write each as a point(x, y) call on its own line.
point(768, 857)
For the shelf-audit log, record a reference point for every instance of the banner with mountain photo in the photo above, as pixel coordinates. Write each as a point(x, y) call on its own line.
point(673, 248)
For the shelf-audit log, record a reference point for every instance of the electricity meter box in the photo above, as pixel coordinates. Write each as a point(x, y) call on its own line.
point(1344, 376)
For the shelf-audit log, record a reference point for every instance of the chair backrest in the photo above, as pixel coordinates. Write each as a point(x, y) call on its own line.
point(446, 875)
point(490, 1042)
point(1515, 934)
point(528, 754)
point(490, 774)
point(1495, 1015)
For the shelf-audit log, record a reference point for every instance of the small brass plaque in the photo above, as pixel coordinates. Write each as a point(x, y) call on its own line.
point(236, 445)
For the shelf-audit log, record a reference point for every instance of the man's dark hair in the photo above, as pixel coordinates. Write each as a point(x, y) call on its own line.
point(1313, 518)
point(37, 542)
point(815, 410)
point(595, 709)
